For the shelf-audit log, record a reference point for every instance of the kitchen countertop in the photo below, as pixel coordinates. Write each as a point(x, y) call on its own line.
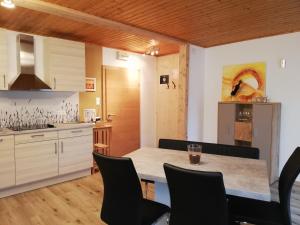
point(59, 126)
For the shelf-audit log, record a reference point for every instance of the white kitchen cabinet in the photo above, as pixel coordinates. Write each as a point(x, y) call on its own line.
point(7, 161)
point(64, 64)
point(75, 150)
point(3, 60)
point(36, 161)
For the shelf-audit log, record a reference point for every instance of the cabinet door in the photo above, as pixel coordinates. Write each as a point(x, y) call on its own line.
point(65, 64)
point(7, 162)
point(75, 154)
point(226, 118)
point(3, 60)
point(36, 161)
point(262, 131)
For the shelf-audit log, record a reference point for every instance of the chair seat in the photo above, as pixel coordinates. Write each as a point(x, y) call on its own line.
point(255, 211)
point(100, 145)
point(152, 210)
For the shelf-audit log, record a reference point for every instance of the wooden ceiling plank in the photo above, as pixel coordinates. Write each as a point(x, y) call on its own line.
point(79, 16)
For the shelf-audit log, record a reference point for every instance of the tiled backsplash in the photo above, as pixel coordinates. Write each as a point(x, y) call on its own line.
point(27, 108)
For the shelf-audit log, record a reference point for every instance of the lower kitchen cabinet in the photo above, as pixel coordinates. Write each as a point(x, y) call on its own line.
point(36, 161)
point(75, 154)
point(7, 161)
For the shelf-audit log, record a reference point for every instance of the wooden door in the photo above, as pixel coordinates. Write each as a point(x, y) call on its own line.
point(226, 118)
point(122, 108)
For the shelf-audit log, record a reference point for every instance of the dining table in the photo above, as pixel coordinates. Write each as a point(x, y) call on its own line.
point(242, 176)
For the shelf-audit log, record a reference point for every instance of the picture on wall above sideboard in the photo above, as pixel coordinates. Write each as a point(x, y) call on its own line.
point(244, 82)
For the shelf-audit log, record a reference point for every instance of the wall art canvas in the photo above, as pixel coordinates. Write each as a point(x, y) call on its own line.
point(244, 82)
point(90, 84)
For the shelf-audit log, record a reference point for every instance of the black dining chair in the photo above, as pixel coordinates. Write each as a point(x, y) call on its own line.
point(197, 197)
point(269, 213)
point(123, 202)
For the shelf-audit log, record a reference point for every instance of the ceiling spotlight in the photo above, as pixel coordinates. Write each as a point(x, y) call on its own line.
point(8, 4)
point(153, 50)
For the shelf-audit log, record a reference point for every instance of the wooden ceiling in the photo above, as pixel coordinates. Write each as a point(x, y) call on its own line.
point(201, 22)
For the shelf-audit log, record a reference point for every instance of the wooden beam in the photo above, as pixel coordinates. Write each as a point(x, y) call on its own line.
point(183, 91)
point(57, 10)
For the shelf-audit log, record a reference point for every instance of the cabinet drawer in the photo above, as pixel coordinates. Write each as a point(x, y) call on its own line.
point(35, 137)
point(75, 132)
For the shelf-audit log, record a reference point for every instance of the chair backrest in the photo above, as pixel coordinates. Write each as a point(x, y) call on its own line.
point(211, 148)
point(122, 200)
point(196, 197)
point(287, 178)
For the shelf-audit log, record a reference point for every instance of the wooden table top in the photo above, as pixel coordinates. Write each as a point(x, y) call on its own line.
point(242, 177)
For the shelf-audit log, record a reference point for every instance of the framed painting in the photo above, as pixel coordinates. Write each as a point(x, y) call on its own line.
point(90, 84)
point(244, 83)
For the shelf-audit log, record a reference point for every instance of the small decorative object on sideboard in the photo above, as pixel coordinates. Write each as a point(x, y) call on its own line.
point(261, 99)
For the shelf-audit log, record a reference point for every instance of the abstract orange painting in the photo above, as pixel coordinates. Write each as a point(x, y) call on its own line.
point(243, 83)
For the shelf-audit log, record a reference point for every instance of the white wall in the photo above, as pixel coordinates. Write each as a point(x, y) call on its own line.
point(147, 67)
point(283, 85)
point(196, 93)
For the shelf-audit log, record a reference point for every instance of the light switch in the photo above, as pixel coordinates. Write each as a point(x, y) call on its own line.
point(98, 101)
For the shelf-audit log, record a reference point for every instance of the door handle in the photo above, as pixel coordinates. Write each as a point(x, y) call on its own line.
point(37, 135)
point(55, 151)
point(62, 147)
point(54, 80)
point(109, 117)
point(76, 131)
point(4, 81)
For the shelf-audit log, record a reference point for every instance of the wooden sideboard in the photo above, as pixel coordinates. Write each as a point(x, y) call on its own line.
point(252, 124)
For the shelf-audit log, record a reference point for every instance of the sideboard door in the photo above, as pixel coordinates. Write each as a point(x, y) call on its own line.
point(226, 118)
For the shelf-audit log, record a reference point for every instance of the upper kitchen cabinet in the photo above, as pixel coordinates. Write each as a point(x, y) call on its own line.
point(3, 60)
point(65, 64)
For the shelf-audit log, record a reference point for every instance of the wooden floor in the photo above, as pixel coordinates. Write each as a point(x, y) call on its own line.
point(78, 202)
point(69, 203)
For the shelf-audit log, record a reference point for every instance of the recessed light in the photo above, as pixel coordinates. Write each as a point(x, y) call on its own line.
point(8, 4)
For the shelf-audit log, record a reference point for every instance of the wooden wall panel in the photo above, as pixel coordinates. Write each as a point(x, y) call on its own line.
point(93, 61)
point(167, 98)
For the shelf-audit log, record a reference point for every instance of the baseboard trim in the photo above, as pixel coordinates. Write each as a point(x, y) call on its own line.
point(43, 183)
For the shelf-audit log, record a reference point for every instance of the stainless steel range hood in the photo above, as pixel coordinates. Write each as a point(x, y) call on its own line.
point(27, 79)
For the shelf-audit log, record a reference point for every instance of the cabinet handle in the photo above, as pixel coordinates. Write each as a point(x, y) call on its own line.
point(62, 147)
point(4, 81)
point(55, 144)
point(54, 79)
point(37, 135)
point(76, 131)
